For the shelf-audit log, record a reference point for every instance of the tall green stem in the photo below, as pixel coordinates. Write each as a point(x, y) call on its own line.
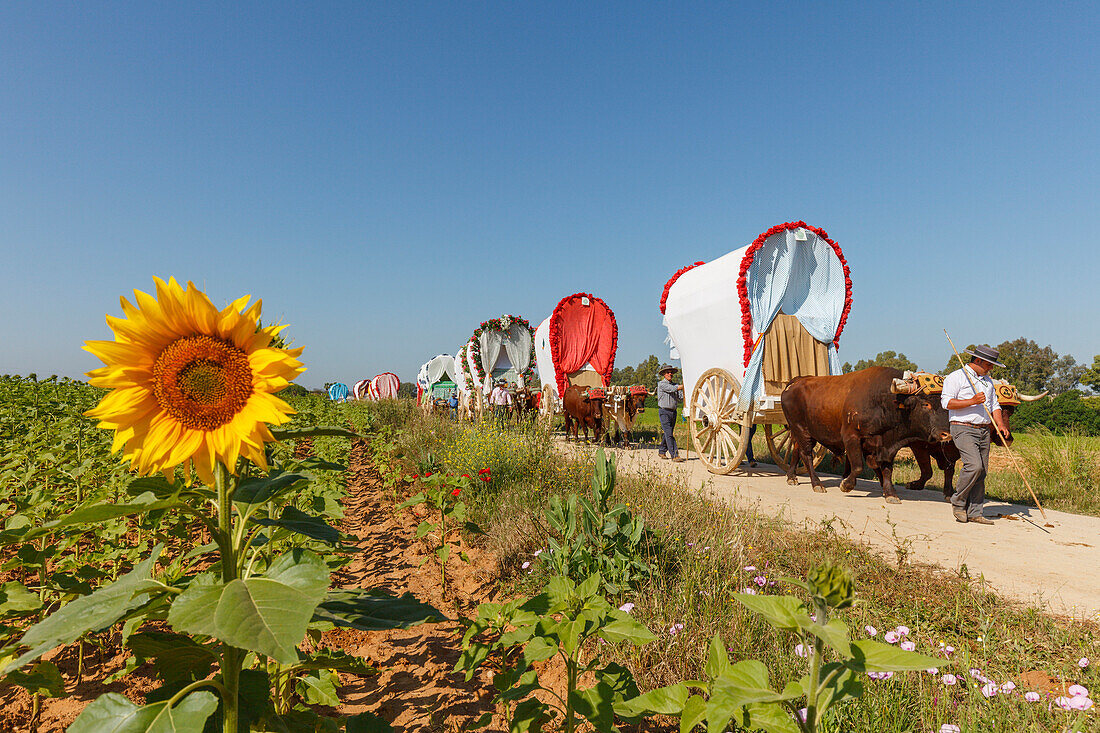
point(231, 658)
point(815, 671)
point(571, 684)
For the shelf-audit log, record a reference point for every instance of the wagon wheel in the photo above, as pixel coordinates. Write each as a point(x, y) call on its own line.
point(547, 408)
point(715, 435)
point(782, 447)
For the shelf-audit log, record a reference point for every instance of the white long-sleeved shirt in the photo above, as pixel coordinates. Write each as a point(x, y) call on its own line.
point(957, 386)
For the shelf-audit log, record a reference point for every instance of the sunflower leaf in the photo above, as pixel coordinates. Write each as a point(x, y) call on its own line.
point(266, 613)
point(317, 430)
point(113, 712)
point(89, 518)
point(295, 520)
point(87, 613)
point(370, 609)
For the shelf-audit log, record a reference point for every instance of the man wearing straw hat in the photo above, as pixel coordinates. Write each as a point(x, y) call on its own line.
point(970, 400)
point(668, 396)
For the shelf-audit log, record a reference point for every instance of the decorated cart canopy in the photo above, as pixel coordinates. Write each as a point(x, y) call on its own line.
point(384, 386)
point(437, 375)
point(462, 369)
point(501, 348)
point(338, 392)
point(746, 324)
point(576, 344)
point(765, 313)
point(359, 389)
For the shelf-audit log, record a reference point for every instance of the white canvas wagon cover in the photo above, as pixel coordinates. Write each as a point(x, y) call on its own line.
point(435, 369)
point(718, 312)
point(505, 344)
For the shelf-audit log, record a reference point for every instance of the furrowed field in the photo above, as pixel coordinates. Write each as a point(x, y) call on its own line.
point(546, 593)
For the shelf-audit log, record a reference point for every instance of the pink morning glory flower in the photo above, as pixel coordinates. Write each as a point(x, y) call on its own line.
point(1083, 662)
point(950, 728)
point(891, 637)
point(989, 689)
point(627, 607)
point(1008, 686)
point(903, 630)
point(801, 650)
point(1078, 691)
point(908, 646)
point(1032, 696)
point(871, 630)
point(949, 679)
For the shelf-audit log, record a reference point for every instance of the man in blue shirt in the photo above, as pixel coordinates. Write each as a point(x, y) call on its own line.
point(668, 396)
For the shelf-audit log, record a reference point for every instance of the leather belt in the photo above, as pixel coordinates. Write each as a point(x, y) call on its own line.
point(971, 424)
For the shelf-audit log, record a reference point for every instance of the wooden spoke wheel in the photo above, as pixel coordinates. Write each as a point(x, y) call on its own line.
point(781, 444)
point(719, 440)
point(548, 406)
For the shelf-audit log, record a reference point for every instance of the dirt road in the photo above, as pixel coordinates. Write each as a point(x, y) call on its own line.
point(1054, 568)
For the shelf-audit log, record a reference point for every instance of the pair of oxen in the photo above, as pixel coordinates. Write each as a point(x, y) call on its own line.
point(592, 407)
point(867, 416)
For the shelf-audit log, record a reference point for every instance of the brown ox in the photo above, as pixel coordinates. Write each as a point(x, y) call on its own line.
point(525, 403)
point(623, 405)
point(860, 416)
point(946, 454)
point(583, 408)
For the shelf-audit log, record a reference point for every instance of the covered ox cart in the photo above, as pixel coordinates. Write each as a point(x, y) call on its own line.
point(746, 324)
point(436, 380)
point(500, 349)
point(338, 392)
point(575, 346)
point(382, 386)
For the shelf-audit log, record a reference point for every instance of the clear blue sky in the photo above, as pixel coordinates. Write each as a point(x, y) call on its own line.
point(387, 175)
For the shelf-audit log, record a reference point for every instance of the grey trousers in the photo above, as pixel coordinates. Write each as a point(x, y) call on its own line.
point(973, 444)
point(668, 426)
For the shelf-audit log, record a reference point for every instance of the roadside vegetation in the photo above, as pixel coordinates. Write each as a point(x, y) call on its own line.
point(638, 586)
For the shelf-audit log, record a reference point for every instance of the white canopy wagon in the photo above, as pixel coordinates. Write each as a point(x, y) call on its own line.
point(746, 324)
point(499, 349)
point(436, 380)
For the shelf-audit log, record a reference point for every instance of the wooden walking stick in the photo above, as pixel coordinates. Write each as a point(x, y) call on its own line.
point(1004, 435)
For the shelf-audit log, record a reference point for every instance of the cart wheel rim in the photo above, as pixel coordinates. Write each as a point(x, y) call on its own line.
point(715, 436)
point(782, 446)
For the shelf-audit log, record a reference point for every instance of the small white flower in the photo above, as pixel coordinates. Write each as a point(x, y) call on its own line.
point(989, 689)
point(526, 565)
point(950, 728)
point(1032, 696)
point(1083, 662)
point(891, 637)
point(801, 651)
point(908, 646)
point(1008, 686)
point(627, 607)
point(871, 630)
point(903, 630)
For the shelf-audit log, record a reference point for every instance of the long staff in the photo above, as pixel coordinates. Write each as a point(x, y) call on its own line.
point(1004, 435)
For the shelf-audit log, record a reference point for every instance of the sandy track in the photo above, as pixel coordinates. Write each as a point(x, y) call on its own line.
point(1053, 568)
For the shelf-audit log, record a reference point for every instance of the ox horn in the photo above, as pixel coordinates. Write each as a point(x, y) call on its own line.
point(1032, 398)
point(902, 386)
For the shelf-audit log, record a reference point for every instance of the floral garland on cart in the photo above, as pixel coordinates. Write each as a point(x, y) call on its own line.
point(742, 281)
point(497, 324)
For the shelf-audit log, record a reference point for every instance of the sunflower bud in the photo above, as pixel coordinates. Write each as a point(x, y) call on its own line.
point(832, 585)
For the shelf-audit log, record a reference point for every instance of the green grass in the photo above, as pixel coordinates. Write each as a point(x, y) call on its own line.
point(703, 549)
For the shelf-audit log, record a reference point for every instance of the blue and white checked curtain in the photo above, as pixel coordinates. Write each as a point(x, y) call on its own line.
point(802, 278)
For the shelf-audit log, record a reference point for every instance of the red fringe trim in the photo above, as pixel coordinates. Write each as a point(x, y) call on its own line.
point(555, 340)
point(743, 291)
point(674, 278)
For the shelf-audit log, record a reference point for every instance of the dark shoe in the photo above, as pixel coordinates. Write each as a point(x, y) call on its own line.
point(677, 459)
point(752, 464)
point(980, 520)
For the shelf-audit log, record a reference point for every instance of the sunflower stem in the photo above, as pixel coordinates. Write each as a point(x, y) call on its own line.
point(231, 657)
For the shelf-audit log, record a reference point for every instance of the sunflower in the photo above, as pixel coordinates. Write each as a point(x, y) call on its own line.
point(191, 384)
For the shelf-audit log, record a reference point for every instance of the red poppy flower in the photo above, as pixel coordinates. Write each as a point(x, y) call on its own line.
point(455, 492)
point(429, 473)
point(416, 475)
point(465, 475)
point(483, 470)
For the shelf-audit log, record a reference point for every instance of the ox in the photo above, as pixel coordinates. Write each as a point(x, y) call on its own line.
point(623, 405)
point(525, 403)
point(860, 415)
point(583, 408)
point(946, 454)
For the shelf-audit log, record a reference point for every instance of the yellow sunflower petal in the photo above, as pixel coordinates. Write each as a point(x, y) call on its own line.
point(190, 385)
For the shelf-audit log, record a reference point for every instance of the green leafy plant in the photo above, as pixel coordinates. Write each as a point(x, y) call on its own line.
point(592, 536)
point(441, 492)
point(237, 608)
point(743, 692)
point(563, 620)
